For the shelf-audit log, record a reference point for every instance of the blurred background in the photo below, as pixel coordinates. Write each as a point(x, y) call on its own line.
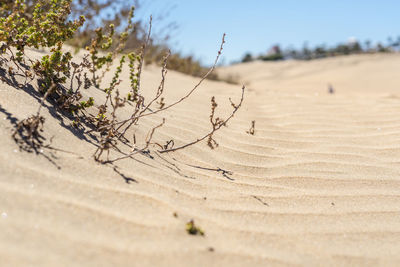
point(256, 30)
point(300, 29)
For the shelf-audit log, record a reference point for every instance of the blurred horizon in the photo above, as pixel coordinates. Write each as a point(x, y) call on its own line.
point(256, 26)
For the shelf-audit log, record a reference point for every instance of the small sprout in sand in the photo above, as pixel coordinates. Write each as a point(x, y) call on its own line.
point(252, 129)
point(192, 229)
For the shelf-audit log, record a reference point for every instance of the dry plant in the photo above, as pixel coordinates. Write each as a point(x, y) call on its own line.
point(115, 131)
point(61, 81)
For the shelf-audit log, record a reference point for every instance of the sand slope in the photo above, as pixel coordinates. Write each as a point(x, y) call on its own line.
point(318, 184)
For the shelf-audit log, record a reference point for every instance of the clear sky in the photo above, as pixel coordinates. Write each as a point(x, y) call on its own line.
point(255, 25)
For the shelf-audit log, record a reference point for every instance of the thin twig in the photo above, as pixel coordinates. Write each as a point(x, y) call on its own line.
point(135, 118)
point(136, 151)
point(211, 132)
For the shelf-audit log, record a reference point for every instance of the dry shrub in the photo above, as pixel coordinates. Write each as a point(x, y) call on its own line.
point(61, 80)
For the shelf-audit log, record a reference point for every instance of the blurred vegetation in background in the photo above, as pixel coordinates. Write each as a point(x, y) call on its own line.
point(105, 12)
point(321, 51)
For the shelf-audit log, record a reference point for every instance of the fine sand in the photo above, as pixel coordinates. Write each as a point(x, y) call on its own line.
point(317, 185)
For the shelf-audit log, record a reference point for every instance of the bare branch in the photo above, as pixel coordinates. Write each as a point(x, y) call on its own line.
point(216, 128)
point(135, 118)
point(145, 46)
point(149, 138)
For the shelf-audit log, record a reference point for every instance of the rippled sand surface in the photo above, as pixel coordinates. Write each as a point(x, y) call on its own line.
point(317, 185)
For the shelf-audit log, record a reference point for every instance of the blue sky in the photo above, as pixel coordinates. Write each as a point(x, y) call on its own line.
point(255, 25)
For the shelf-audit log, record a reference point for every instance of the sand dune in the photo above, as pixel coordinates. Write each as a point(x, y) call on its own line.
point(317, 185)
